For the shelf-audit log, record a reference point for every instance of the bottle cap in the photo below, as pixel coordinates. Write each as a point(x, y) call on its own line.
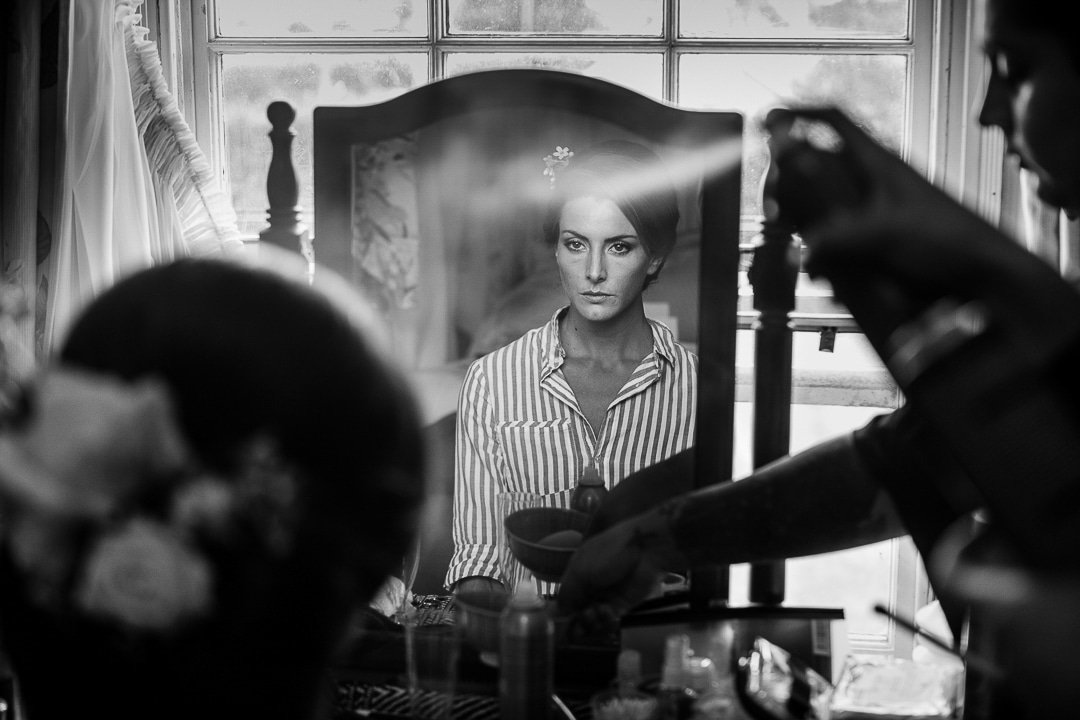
point(590, 475)
point(701, 675)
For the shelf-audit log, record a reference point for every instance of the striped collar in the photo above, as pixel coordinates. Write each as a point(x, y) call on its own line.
point(553, 355)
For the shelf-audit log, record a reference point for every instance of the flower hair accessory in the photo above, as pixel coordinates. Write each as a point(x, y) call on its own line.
point(107, 515)
point(558, 159)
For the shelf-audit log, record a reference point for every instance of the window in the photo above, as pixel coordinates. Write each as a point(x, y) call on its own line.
point(878, 59)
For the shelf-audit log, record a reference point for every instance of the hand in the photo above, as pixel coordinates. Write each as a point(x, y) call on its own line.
point(478, 584)
point(615, 570)
point(645, 489)
point(869, 210)
point(870, 219)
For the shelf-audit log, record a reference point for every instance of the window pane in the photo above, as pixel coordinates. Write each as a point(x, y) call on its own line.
point(643, 72)
point(872, 88)
point(852, 579)
point(557, 17)
point(250, 82)
point(833, 19)
point(322, 18)
point(855, 580)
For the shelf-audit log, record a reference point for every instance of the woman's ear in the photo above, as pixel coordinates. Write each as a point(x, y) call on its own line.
point(655, 265)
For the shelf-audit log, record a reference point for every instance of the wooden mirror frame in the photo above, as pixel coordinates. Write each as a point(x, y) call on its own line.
point(338, 129)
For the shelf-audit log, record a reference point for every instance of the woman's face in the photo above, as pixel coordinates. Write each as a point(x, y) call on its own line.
point(1034, 96)
point(603, 264)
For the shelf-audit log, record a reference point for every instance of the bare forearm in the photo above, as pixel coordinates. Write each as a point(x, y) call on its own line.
point(818, 501)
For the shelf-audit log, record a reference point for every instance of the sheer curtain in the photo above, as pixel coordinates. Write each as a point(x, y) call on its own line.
point(29, 90)
point(133, 187)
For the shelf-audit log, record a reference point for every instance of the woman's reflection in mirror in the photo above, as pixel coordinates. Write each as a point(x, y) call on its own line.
point(600, 383)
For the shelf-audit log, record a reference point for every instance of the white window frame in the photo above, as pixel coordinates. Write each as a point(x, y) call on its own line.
point(948, 76)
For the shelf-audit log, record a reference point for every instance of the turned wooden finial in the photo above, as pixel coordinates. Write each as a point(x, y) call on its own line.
point(773, 275)
point(285, 227)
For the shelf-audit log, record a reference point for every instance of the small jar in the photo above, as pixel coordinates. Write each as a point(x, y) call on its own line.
point(590, 491)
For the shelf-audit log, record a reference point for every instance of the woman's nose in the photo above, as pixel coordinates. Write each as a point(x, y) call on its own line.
point(595, 271)
point(996, 110)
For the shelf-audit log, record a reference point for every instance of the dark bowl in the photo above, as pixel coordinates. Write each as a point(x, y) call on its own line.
point(528, 529)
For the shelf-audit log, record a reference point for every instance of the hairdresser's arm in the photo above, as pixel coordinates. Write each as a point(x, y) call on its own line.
point(817, 501)
point(644, 490)
point(889, 478)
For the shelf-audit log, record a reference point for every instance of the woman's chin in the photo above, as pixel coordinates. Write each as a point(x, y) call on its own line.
point(597, 313)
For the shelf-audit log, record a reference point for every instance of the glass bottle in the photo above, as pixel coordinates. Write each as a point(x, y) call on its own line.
point(676, 698)
point(625, 699)
point(526, 655)
point(590, 491)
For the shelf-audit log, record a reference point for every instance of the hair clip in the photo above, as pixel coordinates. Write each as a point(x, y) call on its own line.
point(558, 159)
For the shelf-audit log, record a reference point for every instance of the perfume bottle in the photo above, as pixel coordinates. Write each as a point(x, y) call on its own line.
point(526, 655)
point(590, 491)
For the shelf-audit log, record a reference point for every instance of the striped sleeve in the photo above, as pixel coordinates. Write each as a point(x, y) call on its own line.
point(476, 482)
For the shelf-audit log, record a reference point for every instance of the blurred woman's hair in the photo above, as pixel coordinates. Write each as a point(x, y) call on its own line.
point(634, 178)
point(245, 353)
point(1048, 17)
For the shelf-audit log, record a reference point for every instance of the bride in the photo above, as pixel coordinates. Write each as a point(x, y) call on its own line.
point(600, 384)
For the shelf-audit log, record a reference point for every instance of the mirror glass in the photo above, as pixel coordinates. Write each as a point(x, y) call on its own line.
point(447, 239)
point(441, 225)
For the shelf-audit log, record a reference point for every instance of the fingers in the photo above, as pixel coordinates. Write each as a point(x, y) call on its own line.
point(599, 610)
point(865, 156)
point(842, 241)
point(851, 134)
point(599, 597)
point(595, 575)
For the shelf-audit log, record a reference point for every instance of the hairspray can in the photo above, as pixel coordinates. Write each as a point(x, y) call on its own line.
point(526, 652)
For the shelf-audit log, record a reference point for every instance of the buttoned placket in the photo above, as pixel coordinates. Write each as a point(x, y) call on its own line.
point(553, 381)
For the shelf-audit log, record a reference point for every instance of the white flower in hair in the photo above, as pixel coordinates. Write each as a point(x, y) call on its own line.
point(558, 159)
point(144, 576)
point(108, 512)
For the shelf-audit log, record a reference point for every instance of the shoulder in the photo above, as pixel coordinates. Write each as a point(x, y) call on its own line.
point(525, 350)
point(665, 344)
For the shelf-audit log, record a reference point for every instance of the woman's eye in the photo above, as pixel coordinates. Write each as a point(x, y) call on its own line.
point(573, 245)
point(620, 248)
point(1008, 68)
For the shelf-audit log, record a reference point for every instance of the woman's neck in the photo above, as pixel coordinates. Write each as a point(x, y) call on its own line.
point(625, 337)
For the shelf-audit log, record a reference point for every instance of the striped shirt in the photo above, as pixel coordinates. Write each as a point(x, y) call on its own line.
point(521, 429)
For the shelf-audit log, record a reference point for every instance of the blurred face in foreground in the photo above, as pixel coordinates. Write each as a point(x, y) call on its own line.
point(1033, 95)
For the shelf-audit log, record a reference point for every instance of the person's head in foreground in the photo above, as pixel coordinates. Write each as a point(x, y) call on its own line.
point(1033, 93)
point(612, 220)
point(219, 468)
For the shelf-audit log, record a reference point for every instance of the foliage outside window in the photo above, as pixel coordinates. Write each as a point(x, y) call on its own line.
point(745, 55)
